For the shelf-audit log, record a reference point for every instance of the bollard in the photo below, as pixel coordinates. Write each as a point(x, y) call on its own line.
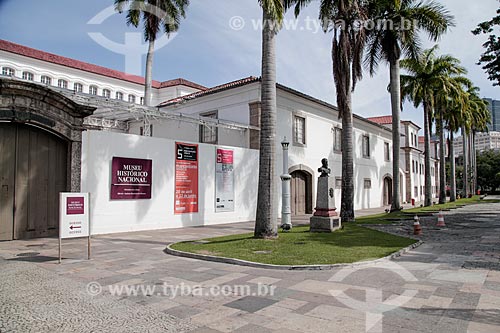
point(417, 229)
point(441, 220)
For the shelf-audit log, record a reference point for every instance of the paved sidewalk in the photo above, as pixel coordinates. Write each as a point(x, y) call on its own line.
point(435, 288)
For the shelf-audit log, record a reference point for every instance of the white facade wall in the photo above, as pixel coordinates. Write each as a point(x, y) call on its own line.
point(233, 105)
point(110, 216)
point(55, 71)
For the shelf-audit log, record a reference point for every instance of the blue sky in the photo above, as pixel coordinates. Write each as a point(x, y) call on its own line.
point(208, 51)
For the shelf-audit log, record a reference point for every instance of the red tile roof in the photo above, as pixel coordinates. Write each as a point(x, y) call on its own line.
point(383, 120)
point(222, 87)
point(72, 63)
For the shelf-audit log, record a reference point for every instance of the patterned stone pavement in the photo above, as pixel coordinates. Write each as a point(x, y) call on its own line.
point(449, 284)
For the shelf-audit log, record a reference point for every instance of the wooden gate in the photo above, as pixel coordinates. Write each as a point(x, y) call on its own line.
point(33, 170)
point(301, 200)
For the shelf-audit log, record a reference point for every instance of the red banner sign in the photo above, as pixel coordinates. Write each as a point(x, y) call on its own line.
point(75, 206)
point(186, 178)
point(131, 178)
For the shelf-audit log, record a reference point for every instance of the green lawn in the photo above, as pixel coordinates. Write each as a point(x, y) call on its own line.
point(385, 218)
point(300, 247)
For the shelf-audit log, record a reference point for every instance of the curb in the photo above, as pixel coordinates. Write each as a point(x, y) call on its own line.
point(241, 262)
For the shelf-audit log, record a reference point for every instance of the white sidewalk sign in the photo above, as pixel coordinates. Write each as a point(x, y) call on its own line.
point(74, 221)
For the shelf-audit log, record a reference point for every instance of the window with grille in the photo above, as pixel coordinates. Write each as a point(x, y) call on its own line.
point(337, 139)
point(208, 133)
point(46, 80)
point(28, 76)
point(62, 84)
point(119, 95)
point(366, 146)
point(8, 71)
point(106, 93)
point(299, 130)
point(93, 90)
point(367, 183)
point(78, 87)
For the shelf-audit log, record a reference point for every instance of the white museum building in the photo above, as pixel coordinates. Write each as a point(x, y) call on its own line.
point(191, 160)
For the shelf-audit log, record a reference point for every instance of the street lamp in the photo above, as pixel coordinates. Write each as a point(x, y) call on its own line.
point(286, 214)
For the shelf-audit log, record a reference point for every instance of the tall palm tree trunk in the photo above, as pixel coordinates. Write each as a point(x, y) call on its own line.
point(266, 223)
point(396, 135)
point(342, 77)
point(427, 154)
point(149, 73)
point(465, 177)
point(474, 163)
point(453, 177)
point(442, 160)
point(347, 200)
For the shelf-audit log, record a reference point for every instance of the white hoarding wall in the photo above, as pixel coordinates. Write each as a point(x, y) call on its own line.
point(110, 216)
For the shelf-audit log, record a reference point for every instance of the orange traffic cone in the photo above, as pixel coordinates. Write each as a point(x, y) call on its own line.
point(441, 220)
point(417, 229)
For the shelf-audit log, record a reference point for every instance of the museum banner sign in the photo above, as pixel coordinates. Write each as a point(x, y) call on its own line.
point(131, 178)
point(224, 180)
point(186, 178)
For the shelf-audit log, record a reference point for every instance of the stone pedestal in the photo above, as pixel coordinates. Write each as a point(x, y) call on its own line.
point(325, 217)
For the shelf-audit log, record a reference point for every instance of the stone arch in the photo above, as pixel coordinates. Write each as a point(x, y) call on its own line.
point(32, 104)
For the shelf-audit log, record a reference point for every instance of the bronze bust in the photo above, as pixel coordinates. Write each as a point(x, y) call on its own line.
point(325, 170)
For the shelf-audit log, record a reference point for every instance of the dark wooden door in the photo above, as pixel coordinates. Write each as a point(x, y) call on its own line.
point(299, 193)
point(7, 183)
point(39, 161)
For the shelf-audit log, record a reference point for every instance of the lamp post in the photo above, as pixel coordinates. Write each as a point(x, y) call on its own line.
point(286, 214)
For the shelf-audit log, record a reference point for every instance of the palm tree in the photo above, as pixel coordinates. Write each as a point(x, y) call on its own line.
point(396, 33)
point(447, 97)
point(341, 17)
point(156, 15)
point(456, 116)
point(428, 74)
point(266, 221)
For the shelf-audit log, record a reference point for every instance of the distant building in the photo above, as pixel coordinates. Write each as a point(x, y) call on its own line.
point(411, 163)
point(494, 107)
point(484, 141)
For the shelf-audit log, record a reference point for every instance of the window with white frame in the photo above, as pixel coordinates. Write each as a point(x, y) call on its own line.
point(78, 87)
point(28, 76)
point(299, 130)
point(338, 182)
point(367, 183)
point(337, 139)
point(106, 93)
point(62, 84)
point(387, 151)
point(142, 100)
point(131, 98)
point(46, 80)
point(366, 146)
point(8, 71)
point(208, 132)
point(119, 96)
point(93, 90)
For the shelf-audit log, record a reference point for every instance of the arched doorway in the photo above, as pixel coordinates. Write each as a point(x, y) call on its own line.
point(387, 191)
point(33, 170)
point(40, 156)
point(301, 192)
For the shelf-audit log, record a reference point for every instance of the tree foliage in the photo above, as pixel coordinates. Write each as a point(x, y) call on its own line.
point(488, 170)
point(490, 59)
